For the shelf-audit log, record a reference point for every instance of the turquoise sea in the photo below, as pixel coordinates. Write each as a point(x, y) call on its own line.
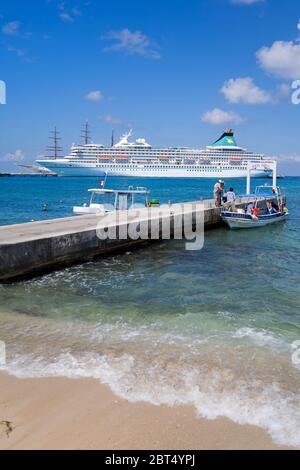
point(214, 328)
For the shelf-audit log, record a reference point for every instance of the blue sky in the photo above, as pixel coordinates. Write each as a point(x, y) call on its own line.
point(178, 72)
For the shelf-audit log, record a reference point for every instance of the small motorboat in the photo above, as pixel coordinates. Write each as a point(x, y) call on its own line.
point(108, 200)
point(265, 207)
point(279, 177)
point(236, 220)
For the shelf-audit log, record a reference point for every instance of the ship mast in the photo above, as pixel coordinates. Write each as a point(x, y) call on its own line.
point(113, 138)
point(54, 148)
point(86, 134)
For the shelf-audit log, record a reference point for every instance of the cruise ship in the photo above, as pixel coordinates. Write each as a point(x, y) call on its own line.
point(223, 159)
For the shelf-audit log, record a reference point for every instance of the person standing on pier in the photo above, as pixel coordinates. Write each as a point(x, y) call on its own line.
point(230, 200)
point(219, 189)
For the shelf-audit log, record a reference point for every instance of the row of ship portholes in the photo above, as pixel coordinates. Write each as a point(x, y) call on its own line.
point(201, 169)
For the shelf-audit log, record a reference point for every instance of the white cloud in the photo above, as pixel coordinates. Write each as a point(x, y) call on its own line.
point(282, 59)
point(245, 2)
point(94, 96)
point(283, 90)
point(294, 158)
point(132, 43)
point(76, 11)
point(289, 164)
point(17, 51)
point(12, 28)
point(21, 54)
point(66, 17)
point(244, 90)
point(217, 117)
point(298, 25)
point(18, 156)
point(110, 119)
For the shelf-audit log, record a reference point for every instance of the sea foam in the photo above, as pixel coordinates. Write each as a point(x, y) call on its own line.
point(214, 392)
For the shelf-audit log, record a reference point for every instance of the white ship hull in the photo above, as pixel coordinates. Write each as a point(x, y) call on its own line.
point(63, 169)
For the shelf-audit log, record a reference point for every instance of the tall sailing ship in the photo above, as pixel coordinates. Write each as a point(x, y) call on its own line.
point(223, 159)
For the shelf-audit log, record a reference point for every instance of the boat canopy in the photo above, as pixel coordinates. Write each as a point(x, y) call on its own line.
point(268, 191)
point(264, 191)
point(130, 190)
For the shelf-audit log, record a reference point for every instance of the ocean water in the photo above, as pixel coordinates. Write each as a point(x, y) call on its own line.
point(22, 198)
point(214, 328)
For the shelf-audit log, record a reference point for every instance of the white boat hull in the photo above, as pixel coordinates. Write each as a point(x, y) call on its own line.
point(81, 210)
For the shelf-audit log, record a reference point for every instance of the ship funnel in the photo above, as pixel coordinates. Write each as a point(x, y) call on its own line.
point(226, 139)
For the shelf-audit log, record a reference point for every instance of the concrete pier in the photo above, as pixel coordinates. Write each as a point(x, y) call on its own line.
point(32, 248)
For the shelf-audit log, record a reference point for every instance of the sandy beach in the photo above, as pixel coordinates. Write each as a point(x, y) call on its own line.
point(60, 413)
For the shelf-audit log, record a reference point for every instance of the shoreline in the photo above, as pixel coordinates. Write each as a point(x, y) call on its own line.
point(63, 413)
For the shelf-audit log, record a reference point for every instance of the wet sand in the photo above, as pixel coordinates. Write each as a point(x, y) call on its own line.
point(60, 413)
